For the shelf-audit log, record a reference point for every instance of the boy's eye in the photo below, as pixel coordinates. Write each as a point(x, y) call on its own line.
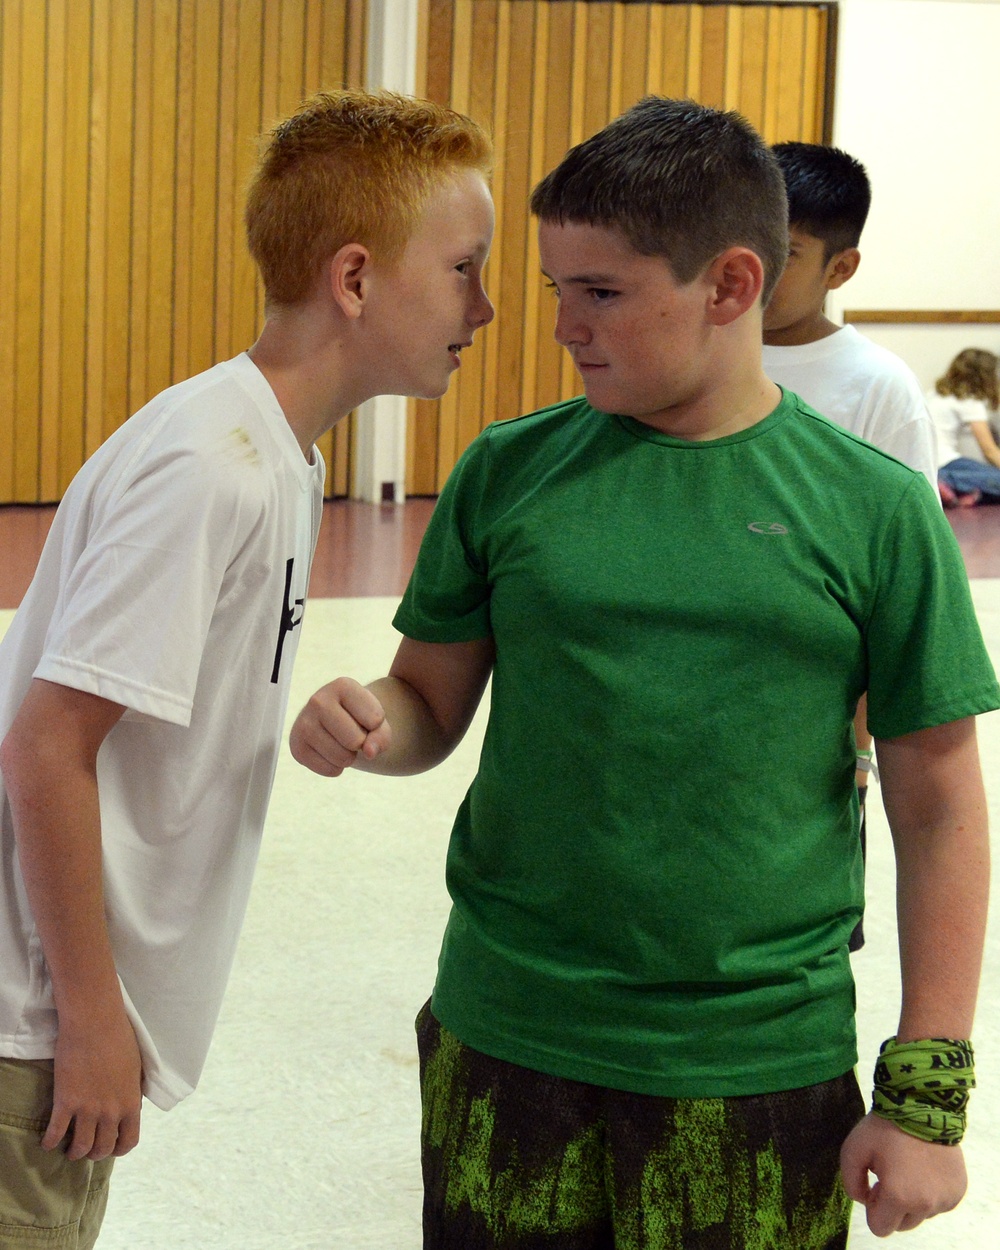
point(601, 293)
point(551, 286)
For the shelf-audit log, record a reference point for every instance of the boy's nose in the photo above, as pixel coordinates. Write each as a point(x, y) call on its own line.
point(483, 311)
point(569, 330)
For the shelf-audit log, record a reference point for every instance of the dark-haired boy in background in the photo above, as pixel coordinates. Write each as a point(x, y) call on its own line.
point(642, 1030)
point(845, 376)
point(836, 370)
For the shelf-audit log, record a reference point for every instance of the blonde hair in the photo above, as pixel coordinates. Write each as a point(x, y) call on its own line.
point(350, 167)
point(972, 375)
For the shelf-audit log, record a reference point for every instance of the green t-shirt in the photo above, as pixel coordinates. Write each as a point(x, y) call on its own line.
point(656, 869)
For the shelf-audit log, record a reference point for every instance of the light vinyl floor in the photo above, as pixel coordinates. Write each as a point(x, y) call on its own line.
point(303, 1132)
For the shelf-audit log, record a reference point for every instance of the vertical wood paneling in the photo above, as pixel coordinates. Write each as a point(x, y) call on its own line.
point(515, 176)
point(126, 139)
point(139, 389)
point(70, 412)
point(123, 244)
point(813, 66)
point(162, 152)
point(480, 92)
point(696, 14)
point(634, 54)
point(183, 223)
point(97, 273)
point(54, 157)
point(791, 78)
point(491, 336)
point(108, 403)
point(204, 186)
point(753, 65)
point(676, 20)
point(540, 105)
point(342, 29)
point(461, 63)
point(554, 138)
point(713, 58)
point(597, 91)
point(734, 57)
point(245, 303)
point(554, 72)
point(10, 69)
point(27, 362)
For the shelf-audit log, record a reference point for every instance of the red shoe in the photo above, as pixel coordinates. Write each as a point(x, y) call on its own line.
point(948, 496)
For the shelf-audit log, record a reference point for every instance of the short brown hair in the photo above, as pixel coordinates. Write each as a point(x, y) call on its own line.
point(350, 167)
point(829, 194)
point(971, 375)
point(681, 181)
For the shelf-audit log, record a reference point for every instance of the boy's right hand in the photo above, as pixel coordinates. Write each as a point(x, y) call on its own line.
point(342, 723)
point(97, 1099)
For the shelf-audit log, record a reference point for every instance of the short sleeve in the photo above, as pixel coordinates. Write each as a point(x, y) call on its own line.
point(136, 608)
point(927, 662)
point(971, 411)
point(448, 596)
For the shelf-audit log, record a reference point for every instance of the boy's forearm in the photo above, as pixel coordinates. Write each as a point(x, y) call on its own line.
point(418, 741)
point(57, 828)
point(430, 697)
point(942, 894)
point(936, 806)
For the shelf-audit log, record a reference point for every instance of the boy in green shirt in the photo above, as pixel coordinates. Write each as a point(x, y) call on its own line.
point(642, 1030)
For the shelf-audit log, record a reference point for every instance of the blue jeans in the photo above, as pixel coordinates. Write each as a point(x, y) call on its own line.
point(965, 476)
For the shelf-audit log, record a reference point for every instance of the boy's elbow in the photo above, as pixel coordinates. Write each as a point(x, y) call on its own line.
point(18, 761)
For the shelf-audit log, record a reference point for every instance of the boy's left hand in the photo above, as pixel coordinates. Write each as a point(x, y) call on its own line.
point(915, 1179)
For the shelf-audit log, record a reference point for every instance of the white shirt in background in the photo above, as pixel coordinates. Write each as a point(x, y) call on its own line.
point(864, 388)
point(952, 417)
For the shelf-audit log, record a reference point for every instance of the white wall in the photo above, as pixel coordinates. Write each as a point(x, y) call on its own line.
point(918, 101)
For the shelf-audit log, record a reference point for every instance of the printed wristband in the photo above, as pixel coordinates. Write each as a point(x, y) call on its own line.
point(865, 762)
point(923, 1087)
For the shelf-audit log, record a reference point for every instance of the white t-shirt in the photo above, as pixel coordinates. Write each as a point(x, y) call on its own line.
point(863, 387)
point(953, 416)
point(172, 582)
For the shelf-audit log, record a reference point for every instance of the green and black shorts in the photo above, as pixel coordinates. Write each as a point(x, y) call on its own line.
point(517, 1160)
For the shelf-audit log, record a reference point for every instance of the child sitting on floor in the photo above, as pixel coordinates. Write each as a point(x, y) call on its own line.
point(962, 403)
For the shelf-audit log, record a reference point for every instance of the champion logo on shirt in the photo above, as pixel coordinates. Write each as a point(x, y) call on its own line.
point(766, 527)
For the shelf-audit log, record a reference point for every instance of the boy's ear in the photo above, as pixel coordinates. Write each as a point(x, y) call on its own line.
point(737, 279)
point(347, 274)
point(841, 267)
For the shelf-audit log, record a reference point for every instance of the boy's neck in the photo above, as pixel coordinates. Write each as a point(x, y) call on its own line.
point(799, 333)
point(301, 363)
point(730, 403)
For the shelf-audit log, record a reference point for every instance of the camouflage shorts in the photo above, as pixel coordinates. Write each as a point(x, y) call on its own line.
point(517, 1160)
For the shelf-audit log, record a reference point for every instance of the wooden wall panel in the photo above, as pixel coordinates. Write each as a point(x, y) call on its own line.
point(542, 75)
point(121, 247)
point(10, 69)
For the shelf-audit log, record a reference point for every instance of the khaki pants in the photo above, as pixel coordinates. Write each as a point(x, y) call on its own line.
point(45, 1199)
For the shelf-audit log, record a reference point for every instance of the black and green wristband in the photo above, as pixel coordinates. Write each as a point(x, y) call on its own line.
point(923, 1087)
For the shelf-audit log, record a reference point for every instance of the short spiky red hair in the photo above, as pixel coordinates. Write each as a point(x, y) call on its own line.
point(350, 167)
